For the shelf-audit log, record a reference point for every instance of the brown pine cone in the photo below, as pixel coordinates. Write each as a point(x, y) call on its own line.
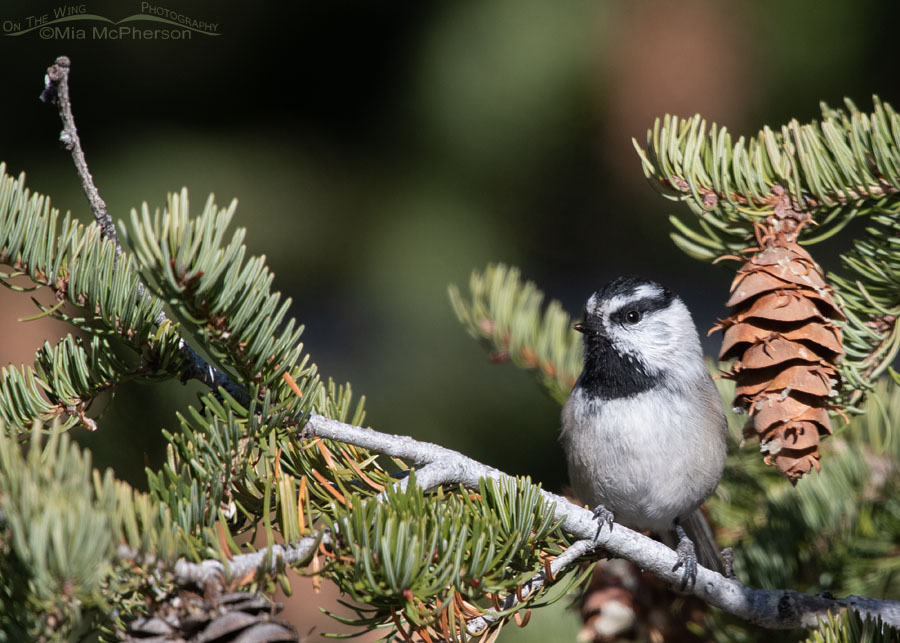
point(237, 617)
point(783, 336)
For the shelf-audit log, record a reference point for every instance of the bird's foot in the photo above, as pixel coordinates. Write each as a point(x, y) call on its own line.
point(728, 561)
point(687, 558)
point(603, 516)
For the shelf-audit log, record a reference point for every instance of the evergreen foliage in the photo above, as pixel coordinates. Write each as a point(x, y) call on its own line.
point(84, 556)
point(506, 315)
point(415, 561)
point(824, 174)
point(852, 628)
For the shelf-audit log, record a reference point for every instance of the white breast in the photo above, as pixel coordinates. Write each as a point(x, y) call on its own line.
point(648, 458)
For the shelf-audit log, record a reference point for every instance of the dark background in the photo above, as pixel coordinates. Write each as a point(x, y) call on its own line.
point(380, 151)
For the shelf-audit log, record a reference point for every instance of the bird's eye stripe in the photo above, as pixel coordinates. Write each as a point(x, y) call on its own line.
point(642, 306)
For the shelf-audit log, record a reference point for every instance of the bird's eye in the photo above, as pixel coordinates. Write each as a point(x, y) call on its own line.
point(633, 316)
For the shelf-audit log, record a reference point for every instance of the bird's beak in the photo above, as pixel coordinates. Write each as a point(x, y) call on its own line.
point(578, 326)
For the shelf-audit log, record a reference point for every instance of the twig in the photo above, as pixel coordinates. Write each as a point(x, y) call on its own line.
point(578, 549)
point(56, 91)
point(279, 555)
point(777, 609)
point(213, 572)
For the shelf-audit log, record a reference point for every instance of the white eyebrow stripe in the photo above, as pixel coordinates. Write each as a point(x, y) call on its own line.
point(601, 307)
point(644, 291)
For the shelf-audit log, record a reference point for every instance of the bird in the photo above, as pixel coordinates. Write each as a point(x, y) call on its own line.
point(644, 429)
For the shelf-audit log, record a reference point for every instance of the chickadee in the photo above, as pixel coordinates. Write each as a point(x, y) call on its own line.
point(644, 428)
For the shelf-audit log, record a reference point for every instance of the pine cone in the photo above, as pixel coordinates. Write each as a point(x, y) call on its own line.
point(783, 337)
point(623, 603)
point(237, 617)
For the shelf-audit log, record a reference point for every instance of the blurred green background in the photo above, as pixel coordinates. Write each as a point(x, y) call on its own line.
point(380, 151)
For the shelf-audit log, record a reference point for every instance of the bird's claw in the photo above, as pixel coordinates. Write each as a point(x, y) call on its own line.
point(603, 516)
point(727, 555)
point(687, 558)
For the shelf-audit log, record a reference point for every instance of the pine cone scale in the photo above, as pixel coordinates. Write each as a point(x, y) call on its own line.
point(237, 617)
point(812, 381)
point(820, 335)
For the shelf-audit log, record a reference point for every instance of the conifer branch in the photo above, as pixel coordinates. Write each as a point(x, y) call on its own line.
point(776, 609)
point(824, 172)
point(56, 91)
point(506, 315)
point(808, 180)
point(578, 549)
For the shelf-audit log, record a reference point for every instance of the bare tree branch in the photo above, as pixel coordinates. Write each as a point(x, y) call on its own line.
point(56, 91)
point(777, 609)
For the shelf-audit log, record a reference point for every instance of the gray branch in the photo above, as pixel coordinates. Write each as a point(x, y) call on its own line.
point(56, 90)
point(776, 609)
point(214, 573)
point(274, 558)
